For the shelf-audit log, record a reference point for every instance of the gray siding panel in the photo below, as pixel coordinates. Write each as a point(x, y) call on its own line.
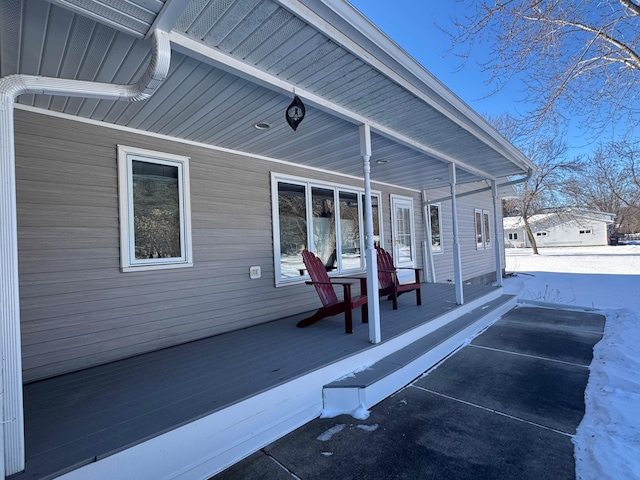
point(475, 262)
point(79, 310)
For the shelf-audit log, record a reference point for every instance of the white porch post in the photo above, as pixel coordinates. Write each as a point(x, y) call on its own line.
point(457, 263)
point(497, 243)
point(372, 263)
point(11, 420)
point(428, 250)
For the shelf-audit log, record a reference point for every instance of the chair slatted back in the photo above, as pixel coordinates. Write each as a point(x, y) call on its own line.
point(318, 273)
point(385, 262)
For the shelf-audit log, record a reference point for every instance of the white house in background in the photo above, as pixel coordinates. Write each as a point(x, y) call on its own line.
point(571, 228)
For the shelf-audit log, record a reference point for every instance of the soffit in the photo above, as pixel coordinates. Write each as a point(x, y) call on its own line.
point(212, 105)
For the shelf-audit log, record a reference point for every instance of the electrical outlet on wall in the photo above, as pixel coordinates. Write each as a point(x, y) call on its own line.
point(255, 272)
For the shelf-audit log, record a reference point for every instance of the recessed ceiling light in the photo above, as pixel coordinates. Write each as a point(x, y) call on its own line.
point(262, 126)
point(382, 160)
point(437, 179)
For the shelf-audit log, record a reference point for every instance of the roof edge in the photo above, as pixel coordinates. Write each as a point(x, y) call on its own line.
point(350, 28)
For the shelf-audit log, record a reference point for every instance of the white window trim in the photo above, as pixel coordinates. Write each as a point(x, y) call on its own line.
point(125, 180)
point(439, 205)
point(481, 245)
point(309, 184)
point(486, 235)
point(409, 200)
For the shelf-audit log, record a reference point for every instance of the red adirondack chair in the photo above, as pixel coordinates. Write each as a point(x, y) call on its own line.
point(388, 279)
point(331, 305)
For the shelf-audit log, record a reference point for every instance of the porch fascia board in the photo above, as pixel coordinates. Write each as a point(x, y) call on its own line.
point(218, 59)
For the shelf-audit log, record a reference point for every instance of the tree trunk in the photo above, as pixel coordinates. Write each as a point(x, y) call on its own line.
point(532, 238)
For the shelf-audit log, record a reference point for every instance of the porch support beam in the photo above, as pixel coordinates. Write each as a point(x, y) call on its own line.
point(373, 303)
point(427, 245)
point(457, 263)
point(497, 243)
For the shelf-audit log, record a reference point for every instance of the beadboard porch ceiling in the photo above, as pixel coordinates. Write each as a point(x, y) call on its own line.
point(238, 62)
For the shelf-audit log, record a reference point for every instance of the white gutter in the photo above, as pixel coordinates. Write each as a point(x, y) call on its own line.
point(526, 178)
point(11, 86)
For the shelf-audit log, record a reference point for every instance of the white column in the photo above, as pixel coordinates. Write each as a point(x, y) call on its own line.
point(457, 263)
point(372, 263)
point(12, 422)
point(428, 250)
point(497, 237)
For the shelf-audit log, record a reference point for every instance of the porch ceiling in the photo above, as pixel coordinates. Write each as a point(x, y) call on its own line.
point(237, 62)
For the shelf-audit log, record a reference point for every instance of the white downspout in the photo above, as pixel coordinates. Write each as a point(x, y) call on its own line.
point(11, 86)
point(497, 244)
point(457, 262)
point(373, 303)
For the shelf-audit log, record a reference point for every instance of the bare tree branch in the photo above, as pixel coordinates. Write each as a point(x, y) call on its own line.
point(576, 58)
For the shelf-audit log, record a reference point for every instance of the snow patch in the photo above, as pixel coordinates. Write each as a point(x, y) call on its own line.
point(357, 370)
point(327, 435)
point(359, 413)
point(607, 441)
point(368, 428)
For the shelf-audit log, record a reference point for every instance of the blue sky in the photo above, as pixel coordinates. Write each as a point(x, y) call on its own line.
point(412, 25)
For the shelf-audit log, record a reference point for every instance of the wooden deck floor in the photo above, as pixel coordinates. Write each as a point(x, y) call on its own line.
point(78, 418)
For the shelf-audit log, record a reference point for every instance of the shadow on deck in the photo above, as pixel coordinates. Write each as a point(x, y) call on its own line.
point(83, 417)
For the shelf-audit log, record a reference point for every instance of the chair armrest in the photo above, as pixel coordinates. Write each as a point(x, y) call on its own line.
point(329, 283)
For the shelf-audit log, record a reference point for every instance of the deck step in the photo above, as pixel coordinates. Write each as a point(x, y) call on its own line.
point(366, 388)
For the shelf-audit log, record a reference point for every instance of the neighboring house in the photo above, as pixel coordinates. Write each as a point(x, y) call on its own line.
point(571, 228)
point(181, 212)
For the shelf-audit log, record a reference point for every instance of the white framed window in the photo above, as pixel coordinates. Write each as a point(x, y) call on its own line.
point(435, 215)
point(155, 210)
point(483, 230)
point(326, 219)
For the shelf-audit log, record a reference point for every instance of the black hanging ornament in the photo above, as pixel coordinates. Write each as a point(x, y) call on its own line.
point(295, 113)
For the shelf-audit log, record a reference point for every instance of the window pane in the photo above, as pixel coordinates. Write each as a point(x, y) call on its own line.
point(479, 229)
point(376, 219)
point(324, 225)
point(293, 228)
point(487, 236)
point(434, 211)
point(350, 231)
point(156, 210)
point(403, 234)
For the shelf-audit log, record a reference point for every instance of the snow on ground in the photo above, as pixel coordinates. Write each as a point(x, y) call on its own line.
point(607, 443)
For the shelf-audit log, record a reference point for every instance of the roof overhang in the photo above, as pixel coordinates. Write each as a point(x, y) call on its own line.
point(239, 62)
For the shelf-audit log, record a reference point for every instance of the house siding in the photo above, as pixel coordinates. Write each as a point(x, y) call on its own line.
point(478, 265)
point(78, 310)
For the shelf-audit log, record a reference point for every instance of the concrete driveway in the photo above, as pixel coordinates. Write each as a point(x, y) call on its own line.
point(504, 406)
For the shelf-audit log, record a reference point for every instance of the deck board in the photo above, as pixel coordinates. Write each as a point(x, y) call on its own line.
point(78, 417)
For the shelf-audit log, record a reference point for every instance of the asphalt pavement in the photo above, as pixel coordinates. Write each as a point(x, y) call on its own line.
point(504, 406)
